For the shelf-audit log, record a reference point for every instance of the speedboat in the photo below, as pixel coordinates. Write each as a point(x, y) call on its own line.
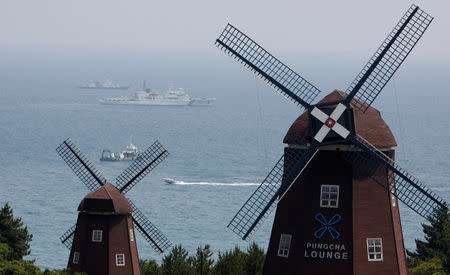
point(170, 180)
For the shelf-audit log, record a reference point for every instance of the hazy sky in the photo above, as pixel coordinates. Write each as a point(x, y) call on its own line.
point(281, 26)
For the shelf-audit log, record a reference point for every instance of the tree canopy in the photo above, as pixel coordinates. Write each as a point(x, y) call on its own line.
point(14, 234)
point(231, 262)
point(432, 255)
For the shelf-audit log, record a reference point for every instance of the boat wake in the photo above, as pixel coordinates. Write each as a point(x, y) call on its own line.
point(180, 182)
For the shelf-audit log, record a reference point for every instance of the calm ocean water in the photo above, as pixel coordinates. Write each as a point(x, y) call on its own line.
point(219, 152)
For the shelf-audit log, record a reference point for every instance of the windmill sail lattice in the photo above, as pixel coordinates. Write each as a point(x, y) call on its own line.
point(143, 164)
point(408, 189)
point(388, 58)
point(140, 167)
point(272, 71)
point(151, 234)
point(80, 165)
point(263, 201)
point(67, 237)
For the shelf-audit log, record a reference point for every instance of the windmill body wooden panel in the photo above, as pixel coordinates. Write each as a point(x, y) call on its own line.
point(103, 239)
point(365, 210)
point(337, 185)
point(296, 216)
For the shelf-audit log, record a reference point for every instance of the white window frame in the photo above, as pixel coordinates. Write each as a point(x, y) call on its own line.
point(120, 259)
point(76, 257)
point(97, 236)
point(327, 202)
point(284, 246)
point(131, 235)
point(377, 249)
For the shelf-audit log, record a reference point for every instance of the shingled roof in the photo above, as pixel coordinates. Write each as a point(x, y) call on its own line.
point(369, 125)
point(105, 199)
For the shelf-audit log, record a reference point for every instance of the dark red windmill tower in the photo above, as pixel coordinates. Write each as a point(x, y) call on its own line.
point(103, 239)
point(337, 183)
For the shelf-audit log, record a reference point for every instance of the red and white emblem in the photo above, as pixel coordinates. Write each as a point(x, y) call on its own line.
point(330, 122)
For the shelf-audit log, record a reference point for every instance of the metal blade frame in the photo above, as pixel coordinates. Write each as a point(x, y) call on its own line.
point(388, 58)
point(263, 200)
point(405, 187)
point(151, 234)
point(141, 166)
point(80, 165)
point(67, 237)
point(273, 72)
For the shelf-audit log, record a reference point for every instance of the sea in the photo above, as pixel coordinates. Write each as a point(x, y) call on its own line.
point(219, 153)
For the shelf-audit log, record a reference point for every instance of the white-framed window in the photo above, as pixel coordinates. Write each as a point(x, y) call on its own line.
point(97, 235)
point(76, 257)
point(285, 243)
point(374, 249)
point(329, 196)
point(131, 235)
point(120, 259)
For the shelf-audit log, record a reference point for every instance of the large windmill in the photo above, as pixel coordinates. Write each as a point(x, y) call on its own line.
point(334, 216)
point(103, 241)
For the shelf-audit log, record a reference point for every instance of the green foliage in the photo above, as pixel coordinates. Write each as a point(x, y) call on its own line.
point(61, 272)
point(202, 262)
point(231, 262)
point(176, 263)
point(431, 267)
point(255, 259)
point(436, 245)
point(18, 267)
point(150, 267)
point(14, 234)
point(5, 252)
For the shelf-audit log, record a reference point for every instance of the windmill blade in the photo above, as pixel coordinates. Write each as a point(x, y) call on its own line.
point(273, 72)
point(400, 183)
point(80, 165)
point(141, 166)
point(262, 202)
point(67, 237)
point(151, 234)
point(389, 56)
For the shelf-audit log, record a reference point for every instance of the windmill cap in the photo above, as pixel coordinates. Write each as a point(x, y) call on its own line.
point(370, 125)
point(105, 199)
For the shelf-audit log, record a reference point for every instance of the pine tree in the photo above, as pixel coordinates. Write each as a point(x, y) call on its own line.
point(231, 263)
point(255, 259)
point(202, 261)
point(436, 243)
point(176, 263)
point(14, 234)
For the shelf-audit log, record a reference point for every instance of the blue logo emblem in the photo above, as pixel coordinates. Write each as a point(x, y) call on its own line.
point(327, 226)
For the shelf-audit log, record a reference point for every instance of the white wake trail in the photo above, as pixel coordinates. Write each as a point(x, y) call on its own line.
point(180, 182)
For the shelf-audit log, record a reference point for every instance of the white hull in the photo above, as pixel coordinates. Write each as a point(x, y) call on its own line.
point(145, 102)
point(150, 98)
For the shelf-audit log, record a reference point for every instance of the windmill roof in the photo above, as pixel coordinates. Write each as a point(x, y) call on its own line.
point(105, 199)
point(370, 125)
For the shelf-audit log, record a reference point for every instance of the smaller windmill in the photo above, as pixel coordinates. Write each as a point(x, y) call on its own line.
point(103, 240)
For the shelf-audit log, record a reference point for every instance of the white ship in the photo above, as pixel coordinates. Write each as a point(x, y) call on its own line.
point(173, 97)
point(131, 152)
